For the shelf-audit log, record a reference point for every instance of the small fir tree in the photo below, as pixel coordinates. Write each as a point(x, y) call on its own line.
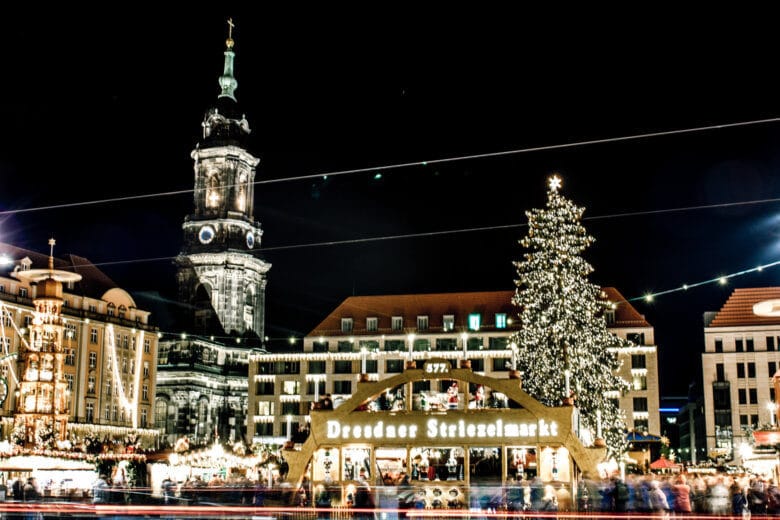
point(563, 327)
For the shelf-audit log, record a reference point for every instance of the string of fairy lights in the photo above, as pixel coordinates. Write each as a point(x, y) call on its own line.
point(377, 171)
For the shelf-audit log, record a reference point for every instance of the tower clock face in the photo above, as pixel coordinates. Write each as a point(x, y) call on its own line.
point(250, 240)
point(206, 234)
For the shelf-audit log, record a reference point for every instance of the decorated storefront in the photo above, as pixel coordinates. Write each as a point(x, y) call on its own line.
point(448, 431)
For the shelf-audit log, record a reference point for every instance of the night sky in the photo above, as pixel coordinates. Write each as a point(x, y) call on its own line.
point(100, 105)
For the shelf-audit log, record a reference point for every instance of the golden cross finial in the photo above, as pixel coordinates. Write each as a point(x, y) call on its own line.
point(229, 41)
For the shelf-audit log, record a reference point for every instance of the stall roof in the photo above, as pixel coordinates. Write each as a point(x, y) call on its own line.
point(40, 462)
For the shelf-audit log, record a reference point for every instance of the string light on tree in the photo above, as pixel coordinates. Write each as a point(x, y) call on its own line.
point(564, 335)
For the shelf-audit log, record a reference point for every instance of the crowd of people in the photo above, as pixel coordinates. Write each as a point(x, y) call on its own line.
point(716, 494)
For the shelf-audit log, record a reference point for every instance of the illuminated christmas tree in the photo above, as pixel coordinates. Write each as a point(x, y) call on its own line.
point(563, 342)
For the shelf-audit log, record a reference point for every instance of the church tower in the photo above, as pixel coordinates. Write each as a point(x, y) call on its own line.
point(221, 280)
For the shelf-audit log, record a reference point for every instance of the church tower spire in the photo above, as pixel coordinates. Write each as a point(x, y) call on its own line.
point(219, 273)
point(227, 81)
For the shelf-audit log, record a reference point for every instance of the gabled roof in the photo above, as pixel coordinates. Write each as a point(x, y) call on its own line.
point(436, 306)
point(94, 282)
point(738, 309)
point(625, 313)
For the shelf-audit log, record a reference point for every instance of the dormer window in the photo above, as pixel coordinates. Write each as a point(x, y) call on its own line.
point(422, 323)
point(372, 324)
point(500, 320)
point(475, 321)
point(397, 323)
point(25, 263)
point(346, 324)
point(111, 311)
point(448, 322)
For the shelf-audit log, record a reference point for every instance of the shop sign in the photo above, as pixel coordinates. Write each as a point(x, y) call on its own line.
point(441, 429)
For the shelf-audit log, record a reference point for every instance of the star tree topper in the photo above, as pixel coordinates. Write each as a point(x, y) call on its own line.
point(555, 183)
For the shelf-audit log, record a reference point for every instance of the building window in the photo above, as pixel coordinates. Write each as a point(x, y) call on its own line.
point(69, 379)
point(345, 346)
point(749, 345)
point(291, 387)
point(640, 404)
point(609, 316)
point(111, 310)
point(754, 420)
point(70, 331)
point(477, 365)
point(372, 324)
point(397, 323)
point(395, 345)
point(499, 365)
point(291, 408)
point(90, 413)
point(720, 372)
point(70, 356)
point(740, 370)
point(394, 366)
point(640, 425)
point(108, 388)
point(772, 368)
point(372, 366)
point(342, 387)
point(640, 382)
point(107, 413)
point(145, 393)
point(448, 322)
point(23, 292)
point(739, 345)
point(91, 385)
point(147, 345)
point(320, 346)
point(124, 342)
point(743, 421)
point(93, 360)
point(770, 343)
point(753, 394)
point(146, 369)
point(638, 361)
point(474, 321)
point(342, 367)
point(346, 324)
point(751, 370)
point(718, 344)
point(93, 336)
point(310, 387)
point(637, 338)
point(316, 367)
point(114, 413)
point(501, 320)
point(422, 323)
point(264, 429)
point(742, 396)
point(144, 418)
point(264, 388)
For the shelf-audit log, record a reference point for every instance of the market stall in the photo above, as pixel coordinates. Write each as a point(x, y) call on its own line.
point(447, 450)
